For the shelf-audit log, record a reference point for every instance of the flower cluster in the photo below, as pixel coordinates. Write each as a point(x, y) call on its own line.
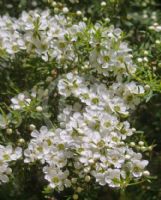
point(38, 33)
point(55, 37)
point(48, 147)
point(7, 155)
point(95, 94)
point(91, 138)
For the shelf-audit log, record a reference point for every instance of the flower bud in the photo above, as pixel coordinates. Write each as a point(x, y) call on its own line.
point(157, 42)
point(133, 129)
point(141, 143)
point(65, 10)
point(140, 60)
point(79, 189)
point(103, 4)
point(32, 127)
point(132, 144)
point(145, 59)
point(79, 13)
point(146, 173)
point(85, 19)
point(107, 19)
point(56, 10)
point(54, 4)
point(147, 87)
point(39, 109)
point(21, 141)
point(146, 52)
point(143, 148)
point(87, 178)
point(86, 169)
point(75, 196)
point(9, 131)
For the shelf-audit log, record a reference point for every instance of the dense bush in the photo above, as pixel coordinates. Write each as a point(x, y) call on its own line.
point(80, 103)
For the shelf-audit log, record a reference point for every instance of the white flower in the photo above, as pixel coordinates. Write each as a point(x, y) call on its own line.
point(113, 177)
point(138, 167)
point(7, 155)
point(57, 178)
point(20, 101)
